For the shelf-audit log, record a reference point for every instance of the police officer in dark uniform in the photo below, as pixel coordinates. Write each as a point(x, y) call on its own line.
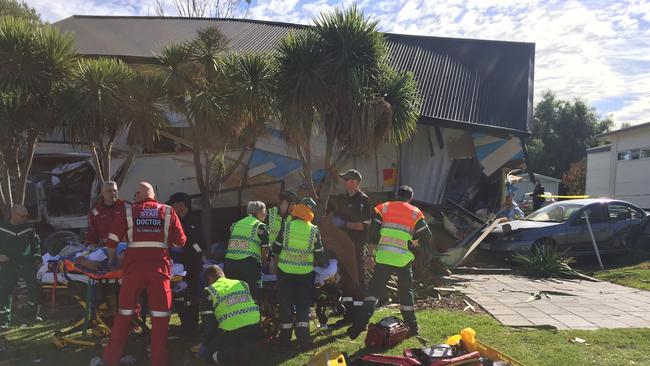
point(191, 256)
point(352, 214)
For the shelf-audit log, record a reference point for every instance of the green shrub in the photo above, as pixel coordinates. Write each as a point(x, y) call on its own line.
point(544, 262)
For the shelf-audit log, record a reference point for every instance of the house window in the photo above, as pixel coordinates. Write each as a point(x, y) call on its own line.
point(645, 153)
point(624, 155)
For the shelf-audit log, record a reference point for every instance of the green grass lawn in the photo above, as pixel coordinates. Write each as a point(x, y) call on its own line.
point(637, 275)
point(630, 269)
point(532, 347)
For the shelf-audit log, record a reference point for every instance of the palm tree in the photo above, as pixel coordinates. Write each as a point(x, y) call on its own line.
point(147, 110)
point(35, 61)
point(334, 79)
point(97, 107)
point(226, 99)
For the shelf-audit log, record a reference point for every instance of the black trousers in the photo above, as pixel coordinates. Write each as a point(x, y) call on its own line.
point(233, 347)
point(187, 305)
point(377, 287)
point(295, 291)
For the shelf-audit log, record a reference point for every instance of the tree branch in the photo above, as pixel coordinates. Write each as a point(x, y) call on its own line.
point(96, 163)
point(233, 166)
point(26, 166)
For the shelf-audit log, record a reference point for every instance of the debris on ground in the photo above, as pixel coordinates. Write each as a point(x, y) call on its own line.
point(469, 306)
point(540, 294)
point(578, 340)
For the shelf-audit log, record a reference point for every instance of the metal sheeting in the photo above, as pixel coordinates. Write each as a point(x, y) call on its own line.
point(462, 81)
point(494, 152)
point(425, 165)
point(451, 90)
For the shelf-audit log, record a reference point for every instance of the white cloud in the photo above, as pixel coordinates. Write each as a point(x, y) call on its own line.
point(583, 49)
point(54, 10)
point(280, 10)
point(636, 110)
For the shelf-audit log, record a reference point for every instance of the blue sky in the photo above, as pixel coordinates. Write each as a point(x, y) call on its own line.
point(598, 50)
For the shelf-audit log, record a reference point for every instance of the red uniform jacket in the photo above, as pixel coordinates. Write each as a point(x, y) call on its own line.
point(100, 219)
point(150, 228)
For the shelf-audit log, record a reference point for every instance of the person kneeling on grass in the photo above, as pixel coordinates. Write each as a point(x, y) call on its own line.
point(230, 319)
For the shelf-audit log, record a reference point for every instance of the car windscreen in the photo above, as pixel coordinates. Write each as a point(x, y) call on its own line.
point(556, 212)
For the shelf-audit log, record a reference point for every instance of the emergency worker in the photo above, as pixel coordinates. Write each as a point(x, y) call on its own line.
point(353, 213)
point(248, 244)
point(103, 214)
point(297, 247)
point(230, 319)
point(279, 213)
point(20, 257)
point(396, 228)
point(191, 256)
point(150, 228)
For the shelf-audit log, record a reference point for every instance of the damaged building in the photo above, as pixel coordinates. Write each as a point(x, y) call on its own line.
point(475, 117)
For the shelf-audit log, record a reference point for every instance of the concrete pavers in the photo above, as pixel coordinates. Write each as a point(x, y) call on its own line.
point(571, 304)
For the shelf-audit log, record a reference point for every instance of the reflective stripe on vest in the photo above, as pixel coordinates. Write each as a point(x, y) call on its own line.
point(297, 255)
point(167, 212)
point(147, 244)
point(398, 224)
point(244, 241)
point(275, 223)
point(234, 307)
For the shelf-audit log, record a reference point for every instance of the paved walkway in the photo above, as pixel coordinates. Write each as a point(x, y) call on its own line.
point(564, 304)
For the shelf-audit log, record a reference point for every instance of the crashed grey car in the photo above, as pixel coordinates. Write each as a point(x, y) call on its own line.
point(616, 225)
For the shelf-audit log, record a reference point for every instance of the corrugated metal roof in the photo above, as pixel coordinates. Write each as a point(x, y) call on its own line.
point(462, 81)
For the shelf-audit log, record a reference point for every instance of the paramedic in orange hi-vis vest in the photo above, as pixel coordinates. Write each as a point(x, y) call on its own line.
point(396, 228)
point(150, 228)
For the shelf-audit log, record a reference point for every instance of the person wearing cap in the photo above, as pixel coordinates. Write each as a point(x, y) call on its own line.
point(297, 247)
point(191, 256)
point(396, 227)
point(352, 212)
point(247, 246)
point(103, 213)
point(280, 212)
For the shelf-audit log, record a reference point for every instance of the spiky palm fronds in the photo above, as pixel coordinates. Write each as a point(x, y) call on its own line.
point(99, 93)
point(300, 84)
point(400, 91)
point(546, 261)
point(147, 109)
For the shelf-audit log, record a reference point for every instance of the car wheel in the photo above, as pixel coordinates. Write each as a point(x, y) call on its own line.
point(544, 243)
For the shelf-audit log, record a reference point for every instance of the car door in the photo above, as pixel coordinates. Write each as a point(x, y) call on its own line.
point(578, 237)
point(625, 222)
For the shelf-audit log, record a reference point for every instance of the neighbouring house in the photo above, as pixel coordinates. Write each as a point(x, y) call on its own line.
point(621, 168)
point(478, 102)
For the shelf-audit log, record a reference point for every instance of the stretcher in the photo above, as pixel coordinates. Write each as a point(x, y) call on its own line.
point(98, 311)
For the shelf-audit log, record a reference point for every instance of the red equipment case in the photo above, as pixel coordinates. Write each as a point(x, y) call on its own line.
point(389, 332)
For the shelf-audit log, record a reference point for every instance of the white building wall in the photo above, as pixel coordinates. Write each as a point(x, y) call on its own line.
point(633, 181)
point(634, 139)
point(598, 166)
point(627, 180)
